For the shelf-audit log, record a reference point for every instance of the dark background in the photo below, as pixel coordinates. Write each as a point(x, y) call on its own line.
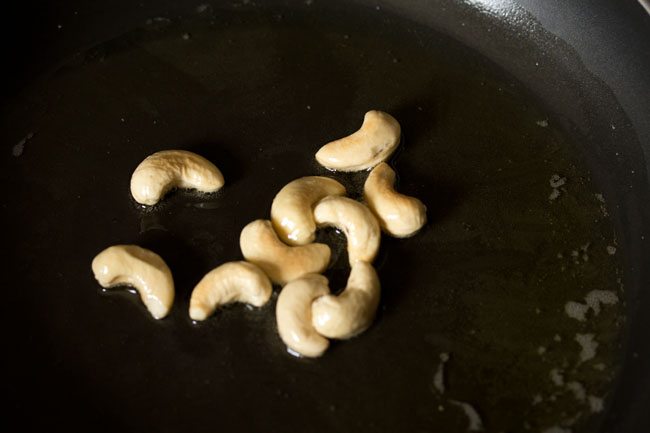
point(598, 70)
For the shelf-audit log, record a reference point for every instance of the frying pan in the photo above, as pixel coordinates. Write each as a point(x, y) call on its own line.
point(494, 97)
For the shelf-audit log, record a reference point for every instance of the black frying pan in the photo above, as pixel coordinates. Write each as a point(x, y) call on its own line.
point(494, 98)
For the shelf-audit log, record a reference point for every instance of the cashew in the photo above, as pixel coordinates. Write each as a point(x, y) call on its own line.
point(230, 282)
point(351, 312)
point(282, 263)
point(291, 211)
point(356, 221)
point(373, 143)
point(142, 269)
point(162, 171)
point(293, 314)
point(398, 214)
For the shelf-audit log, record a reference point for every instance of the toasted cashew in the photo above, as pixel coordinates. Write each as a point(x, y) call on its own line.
point(373, 143)
point(282, 263)
point(356, 221)
point(142, 269)
point(162, 171)
point(291, 211)
point(398, 214)
point(351, 312)
point(230, 282)
point(293, 314)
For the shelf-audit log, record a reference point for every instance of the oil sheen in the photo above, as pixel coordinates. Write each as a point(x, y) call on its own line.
point(487, 317)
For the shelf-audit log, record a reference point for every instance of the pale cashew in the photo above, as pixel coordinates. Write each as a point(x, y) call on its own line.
point(293, 314)
point(356, 221)
point(292, 208)
point(168, 169)
point(398, 214)
point(230, 282)
point(351, 312)
point(260, 245)
point(142, 269)
point(373, 143)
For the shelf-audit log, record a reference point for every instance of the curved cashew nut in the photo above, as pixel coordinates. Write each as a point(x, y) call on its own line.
point(356, 221)
point(142, 269)
point(399, 215)
point(351, 312)
point(293, 314)
point(282, 263)
point(291, 211)
point(162, 171)
point(230, 282)
point(373, 143)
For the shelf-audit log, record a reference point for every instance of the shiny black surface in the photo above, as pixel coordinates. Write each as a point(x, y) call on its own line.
point(80, 358)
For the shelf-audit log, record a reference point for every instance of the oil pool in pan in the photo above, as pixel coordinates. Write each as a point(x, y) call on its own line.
point(488, 316)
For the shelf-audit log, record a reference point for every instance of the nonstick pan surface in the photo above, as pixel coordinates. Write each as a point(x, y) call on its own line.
point(257, 89)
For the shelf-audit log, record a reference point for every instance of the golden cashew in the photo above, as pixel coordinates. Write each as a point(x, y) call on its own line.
point(260, 245)
point(356, 221)
point(293, 315)
point(351, 312)
point(162, 171)
point(398, 214)
point(230, 282)
point(142, 269)
point(292, 208)
point(373, 143)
